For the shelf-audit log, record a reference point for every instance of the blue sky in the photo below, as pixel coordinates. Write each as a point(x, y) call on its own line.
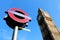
point(31, 7)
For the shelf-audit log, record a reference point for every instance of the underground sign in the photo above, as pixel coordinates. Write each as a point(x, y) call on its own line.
point(21, 13)
point(16, 17)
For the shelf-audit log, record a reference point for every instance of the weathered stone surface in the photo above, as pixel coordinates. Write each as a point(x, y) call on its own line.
point(47, 26)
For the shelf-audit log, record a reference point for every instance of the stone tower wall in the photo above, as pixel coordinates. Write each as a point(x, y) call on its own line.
point(47, 26)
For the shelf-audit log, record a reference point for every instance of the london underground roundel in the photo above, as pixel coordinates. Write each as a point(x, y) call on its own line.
point(20, 20)
point(16, 17)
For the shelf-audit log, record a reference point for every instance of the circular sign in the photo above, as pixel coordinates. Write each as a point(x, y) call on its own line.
point(20, 20)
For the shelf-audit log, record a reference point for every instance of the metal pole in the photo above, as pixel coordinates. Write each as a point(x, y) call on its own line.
point(15, 33)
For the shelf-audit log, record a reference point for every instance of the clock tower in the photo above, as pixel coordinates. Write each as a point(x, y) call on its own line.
point(48, 28)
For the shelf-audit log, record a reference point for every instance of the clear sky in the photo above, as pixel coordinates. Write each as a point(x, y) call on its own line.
point(31, 7)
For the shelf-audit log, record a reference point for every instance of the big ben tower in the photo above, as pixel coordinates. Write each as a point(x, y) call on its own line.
point(48, 28)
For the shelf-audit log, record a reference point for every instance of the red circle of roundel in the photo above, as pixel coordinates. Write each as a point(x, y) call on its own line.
point(18, 19)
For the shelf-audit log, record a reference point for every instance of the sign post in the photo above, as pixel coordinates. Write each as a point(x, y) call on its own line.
point(15, 33)
point(17, 19)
